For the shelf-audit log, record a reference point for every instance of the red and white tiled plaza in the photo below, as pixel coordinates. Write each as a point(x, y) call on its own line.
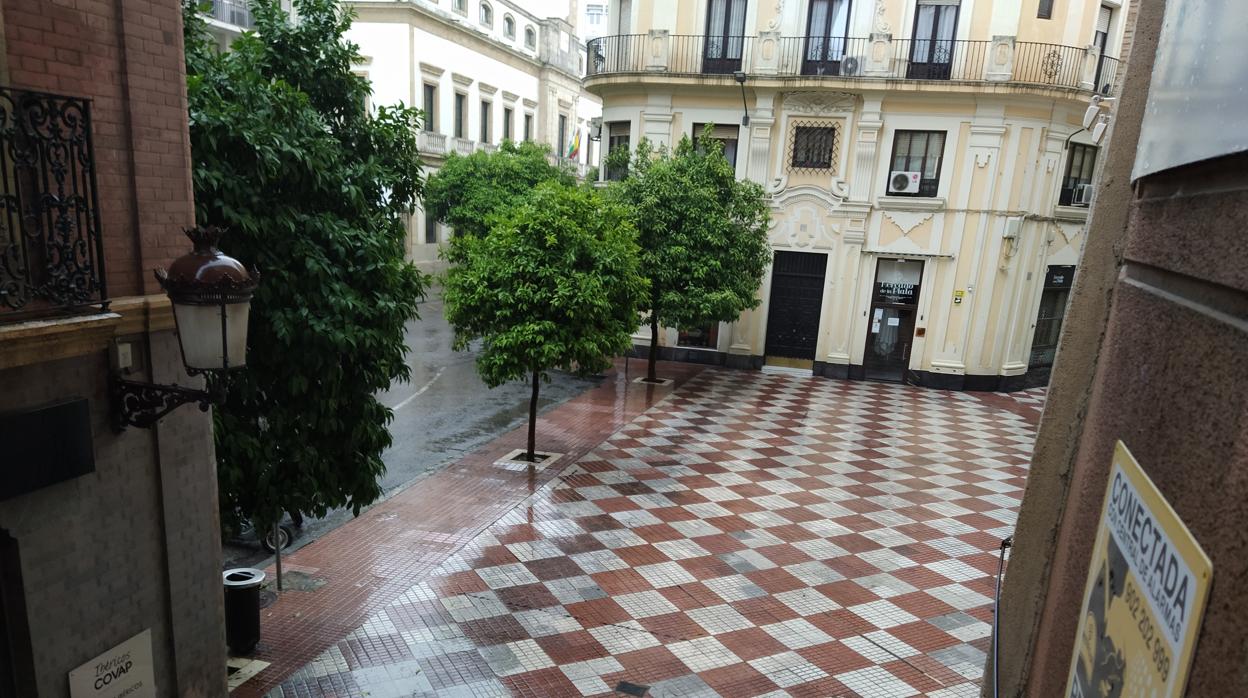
point(749, 534)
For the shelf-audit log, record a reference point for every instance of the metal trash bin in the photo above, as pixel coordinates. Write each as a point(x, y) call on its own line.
point(242, 609)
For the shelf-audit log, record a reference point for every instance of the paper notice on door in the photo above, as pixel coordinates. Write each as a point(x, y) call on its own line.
point(875, 327)
point(879, 313)
point(894, 321)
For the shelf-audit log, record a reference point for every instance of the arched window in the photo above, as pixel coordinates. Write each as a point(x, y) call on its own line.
point(530, 37)
point(487, 14)
point(509, 27)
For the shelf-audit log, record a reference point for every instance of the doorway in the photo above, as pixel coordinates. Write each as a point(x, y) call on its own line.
point(793, 313)
point(725, 36)
point(1057, 283)
point(894, 305)
point(826, 29)
point(931, 49)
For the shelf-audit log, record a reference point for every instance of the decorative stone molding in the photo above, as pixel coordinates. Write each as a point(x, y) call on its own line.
point(432, 71)
point(908, 220)
point(879, 58)
point(486, 89)
point(1001, 59)
point(767, 53)
point(879, 24)
point(805, 225)
point(658, 45)
point(864, 156)
point(1076, 214)
point(910, 203)
point(820, 103)
point(39, 341)
point(529, 103)
point(774, 24)
point(510, 96)
point(462, 80)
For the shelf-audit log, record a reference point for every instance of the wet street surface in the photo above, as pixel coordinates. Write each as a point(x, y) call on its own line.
point(442, 413)
point(734, 534)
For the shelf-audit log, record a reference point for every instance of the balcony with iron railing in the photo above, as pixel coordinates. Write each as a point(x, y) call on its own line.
point(236, 13)
point(51, 252)
point(879, 58)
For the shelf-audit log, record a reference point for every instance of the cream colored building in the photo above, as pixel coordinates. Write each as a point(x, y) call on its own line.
point(925, 161)
point(485, 71)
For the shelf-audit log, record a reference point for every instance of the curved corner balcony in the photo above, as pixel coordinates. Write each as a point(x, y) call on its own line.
point(879, 58)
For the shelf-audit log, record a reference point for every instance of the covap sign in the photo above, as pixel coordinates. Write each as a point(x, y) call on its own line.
point(122, 672)
point(1145, 595)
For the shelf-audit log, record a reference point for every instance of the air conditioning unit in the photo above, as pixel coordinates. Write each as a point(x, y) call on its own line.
point(1082, 195)
point(903, 182)
point(850, 65)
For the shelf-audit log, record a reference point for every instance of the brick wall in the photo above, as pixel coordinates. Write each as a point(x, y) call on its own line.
point(126, 55)
point(135, 544)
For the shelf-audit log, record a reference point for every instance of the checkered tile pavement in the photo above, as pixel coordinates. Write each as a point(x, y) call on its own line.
point(752, 535)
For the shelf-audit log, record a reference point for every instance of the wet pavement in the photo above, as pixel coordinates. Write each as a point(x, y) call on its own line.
point(736, 534)
point(442, 413)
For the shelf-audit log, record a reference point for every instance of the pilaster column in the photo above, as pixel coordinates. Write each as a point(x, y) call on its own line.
point(866, 147)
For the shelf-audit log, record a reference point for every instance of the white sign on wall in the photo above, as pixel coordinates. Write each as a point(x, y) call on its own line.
point(125, 671)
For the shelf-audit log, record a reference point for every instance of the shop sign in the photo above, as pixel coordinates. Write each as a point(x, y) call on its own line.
point(1059, 277)
point(892, 292)
point(1145, 594)
point(125, 671)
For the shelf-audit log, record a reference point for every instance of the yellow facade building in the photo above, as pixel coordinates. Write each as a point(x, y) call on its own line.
point(926, 162)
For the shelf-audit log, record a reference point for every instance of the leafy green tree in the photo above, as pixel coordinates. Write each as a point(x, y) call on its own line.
point(702, 232)
point(313, 190)
point(467, 190)
point(554, 283)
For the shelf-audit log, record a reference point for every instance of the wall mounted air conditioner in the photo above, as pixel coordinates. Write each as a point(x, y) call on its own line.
point(903, 182)
point(850, 65)
point(1082, 195)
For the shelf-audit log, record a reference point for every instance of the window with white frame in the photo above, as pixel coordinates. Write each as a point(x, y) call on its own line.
point(487, 14)
point(509, 27)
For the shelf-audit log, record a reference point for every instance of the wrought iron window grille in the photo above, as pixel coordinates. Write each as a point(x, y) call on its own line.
point(813, 147)
point(51, 250)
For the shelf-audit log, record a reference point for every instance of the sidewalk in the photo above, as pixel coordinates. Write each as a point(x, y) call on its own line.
point(750, 535)
point(364, 565)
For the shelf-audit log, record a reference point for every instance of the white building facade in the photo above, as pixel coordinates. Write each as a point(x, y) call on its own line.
point(484, 71)
point(926, 163)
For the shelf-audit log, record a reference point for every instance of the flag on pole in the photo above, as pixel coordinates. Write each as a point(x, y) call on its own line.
point(574, 148)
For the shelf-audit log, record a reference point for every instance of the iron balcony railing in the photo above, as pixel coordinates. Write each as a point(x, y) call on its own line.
point(852, 57)
point(234, 12)
point(51, 254)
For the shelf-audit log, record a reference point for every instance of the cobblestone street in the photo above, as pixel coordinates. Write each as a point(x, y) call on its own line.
point(740, 534)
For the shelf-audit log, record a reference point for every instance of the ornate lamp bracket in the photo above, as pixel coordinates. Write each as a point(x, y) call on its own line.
point(140, 404)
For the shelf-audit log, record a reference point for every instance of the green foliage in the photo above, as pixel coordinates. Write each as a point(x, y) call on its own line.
point(313, 190)
point(554, 283)
point(467, 190)
point(702, 232)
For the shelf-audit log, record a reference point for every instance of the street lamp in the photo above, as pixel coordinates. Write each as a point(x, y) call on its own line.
point(211, 295)
point(739, 76)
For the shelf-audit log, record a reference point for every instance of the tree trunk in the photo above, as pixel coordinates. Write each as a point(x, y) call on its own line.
point(654, 347)
point(533, 418)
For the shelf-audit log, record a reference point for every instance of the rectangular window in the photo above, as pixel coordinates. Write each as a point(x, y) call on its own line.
point(813, 147)
point(461, 116)
point(727, 136)
point(528, 127)
point(617, 140)
point(561, 148)
point(506, 123)
point(431, 107)
point(1045, 10)
point(921, 152)
point(431, 229)
point(1077, 181)
point(486, 118)
point(703, 337)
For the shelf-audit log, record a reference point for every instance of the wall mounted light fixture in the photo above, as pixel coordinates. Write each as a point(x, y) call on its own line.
point(211, 295)
point(740, 77)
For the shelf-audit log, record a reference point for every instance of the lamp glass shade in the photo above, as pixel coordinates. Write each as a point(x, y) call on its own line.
point(200, 334)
